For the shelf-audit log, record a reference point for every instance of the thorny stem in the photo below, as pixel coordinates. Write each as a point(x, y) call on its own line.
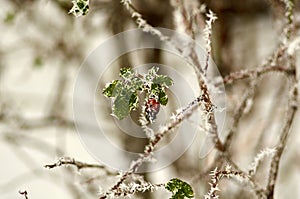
point(217, 175)
point(208, 37)
point(225, 158)
point(149, 149)
point(146, 186)
point(201, 72)
point(258, 159)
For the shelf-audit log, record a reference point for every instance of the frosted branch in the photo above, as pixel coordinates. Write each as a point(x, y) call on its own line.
point(259, 158)
point(218, 175)
point(211, 17)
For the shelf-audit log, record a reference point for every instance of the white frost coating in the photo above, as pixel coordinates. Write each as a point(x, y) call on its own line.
point(259, 157)
point(294, 46)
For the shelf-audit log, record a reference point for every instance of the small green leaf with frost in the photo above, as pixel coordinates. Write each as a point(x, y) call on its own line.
point(126, 73)
point(152, 73)
point(121, 107)
point(109, 90)
point(162, 97)
point(137, 83)
point(125, 90)
point(80, 7)
point(133, 102)
point(124, 102)
point(179, 189)
point(163, 80)
point(159, 91)
point(155, 88)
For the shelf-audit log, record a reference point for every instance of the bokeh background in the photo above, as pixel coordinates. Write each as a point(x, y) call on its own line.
point(41, 50)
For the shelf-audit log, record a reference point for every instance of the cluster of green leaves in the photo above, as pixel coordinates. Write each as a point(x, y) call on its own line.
point(80, 7)
point(125, 90)
point(179, 189)
point(157, 84)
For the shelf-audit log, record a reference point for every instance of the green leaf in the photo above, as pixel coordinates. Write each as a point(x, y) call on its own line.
point(133, 102)
point(125, 101)
point(80, 4)
point(179, 189)
point(109, 90)
point(137, 84)
point(126, 73)
point(152, 73)
point(162, 97)
point(125, 90)
point(157, 90)
point(121, 107)
point(163, 80)
point(80, 7)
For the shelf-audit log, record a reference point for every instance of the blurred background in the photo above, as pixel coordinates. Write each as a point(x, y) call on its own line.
point(42, 48)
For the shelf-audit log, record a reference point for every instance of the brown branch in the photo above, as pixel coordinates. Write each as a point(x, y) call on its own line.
point(78, 164)
point(218, 175)
point(243, 74)
point(238, 113)
point(186, 19)
point(292, 108)
point(255, 73)
point(200, 72)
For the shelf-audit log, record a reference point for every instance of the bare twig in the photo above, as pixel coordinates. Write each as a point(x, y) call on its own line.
point(242, 74)
point(186, 18)
point(238, 113)
point(24, 193)
point(211, 17)
point(292, 108)
point(78, 164)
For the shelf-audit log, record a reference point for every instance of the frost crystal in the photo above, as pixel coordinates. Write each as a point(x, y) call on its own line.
point(80, 7)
